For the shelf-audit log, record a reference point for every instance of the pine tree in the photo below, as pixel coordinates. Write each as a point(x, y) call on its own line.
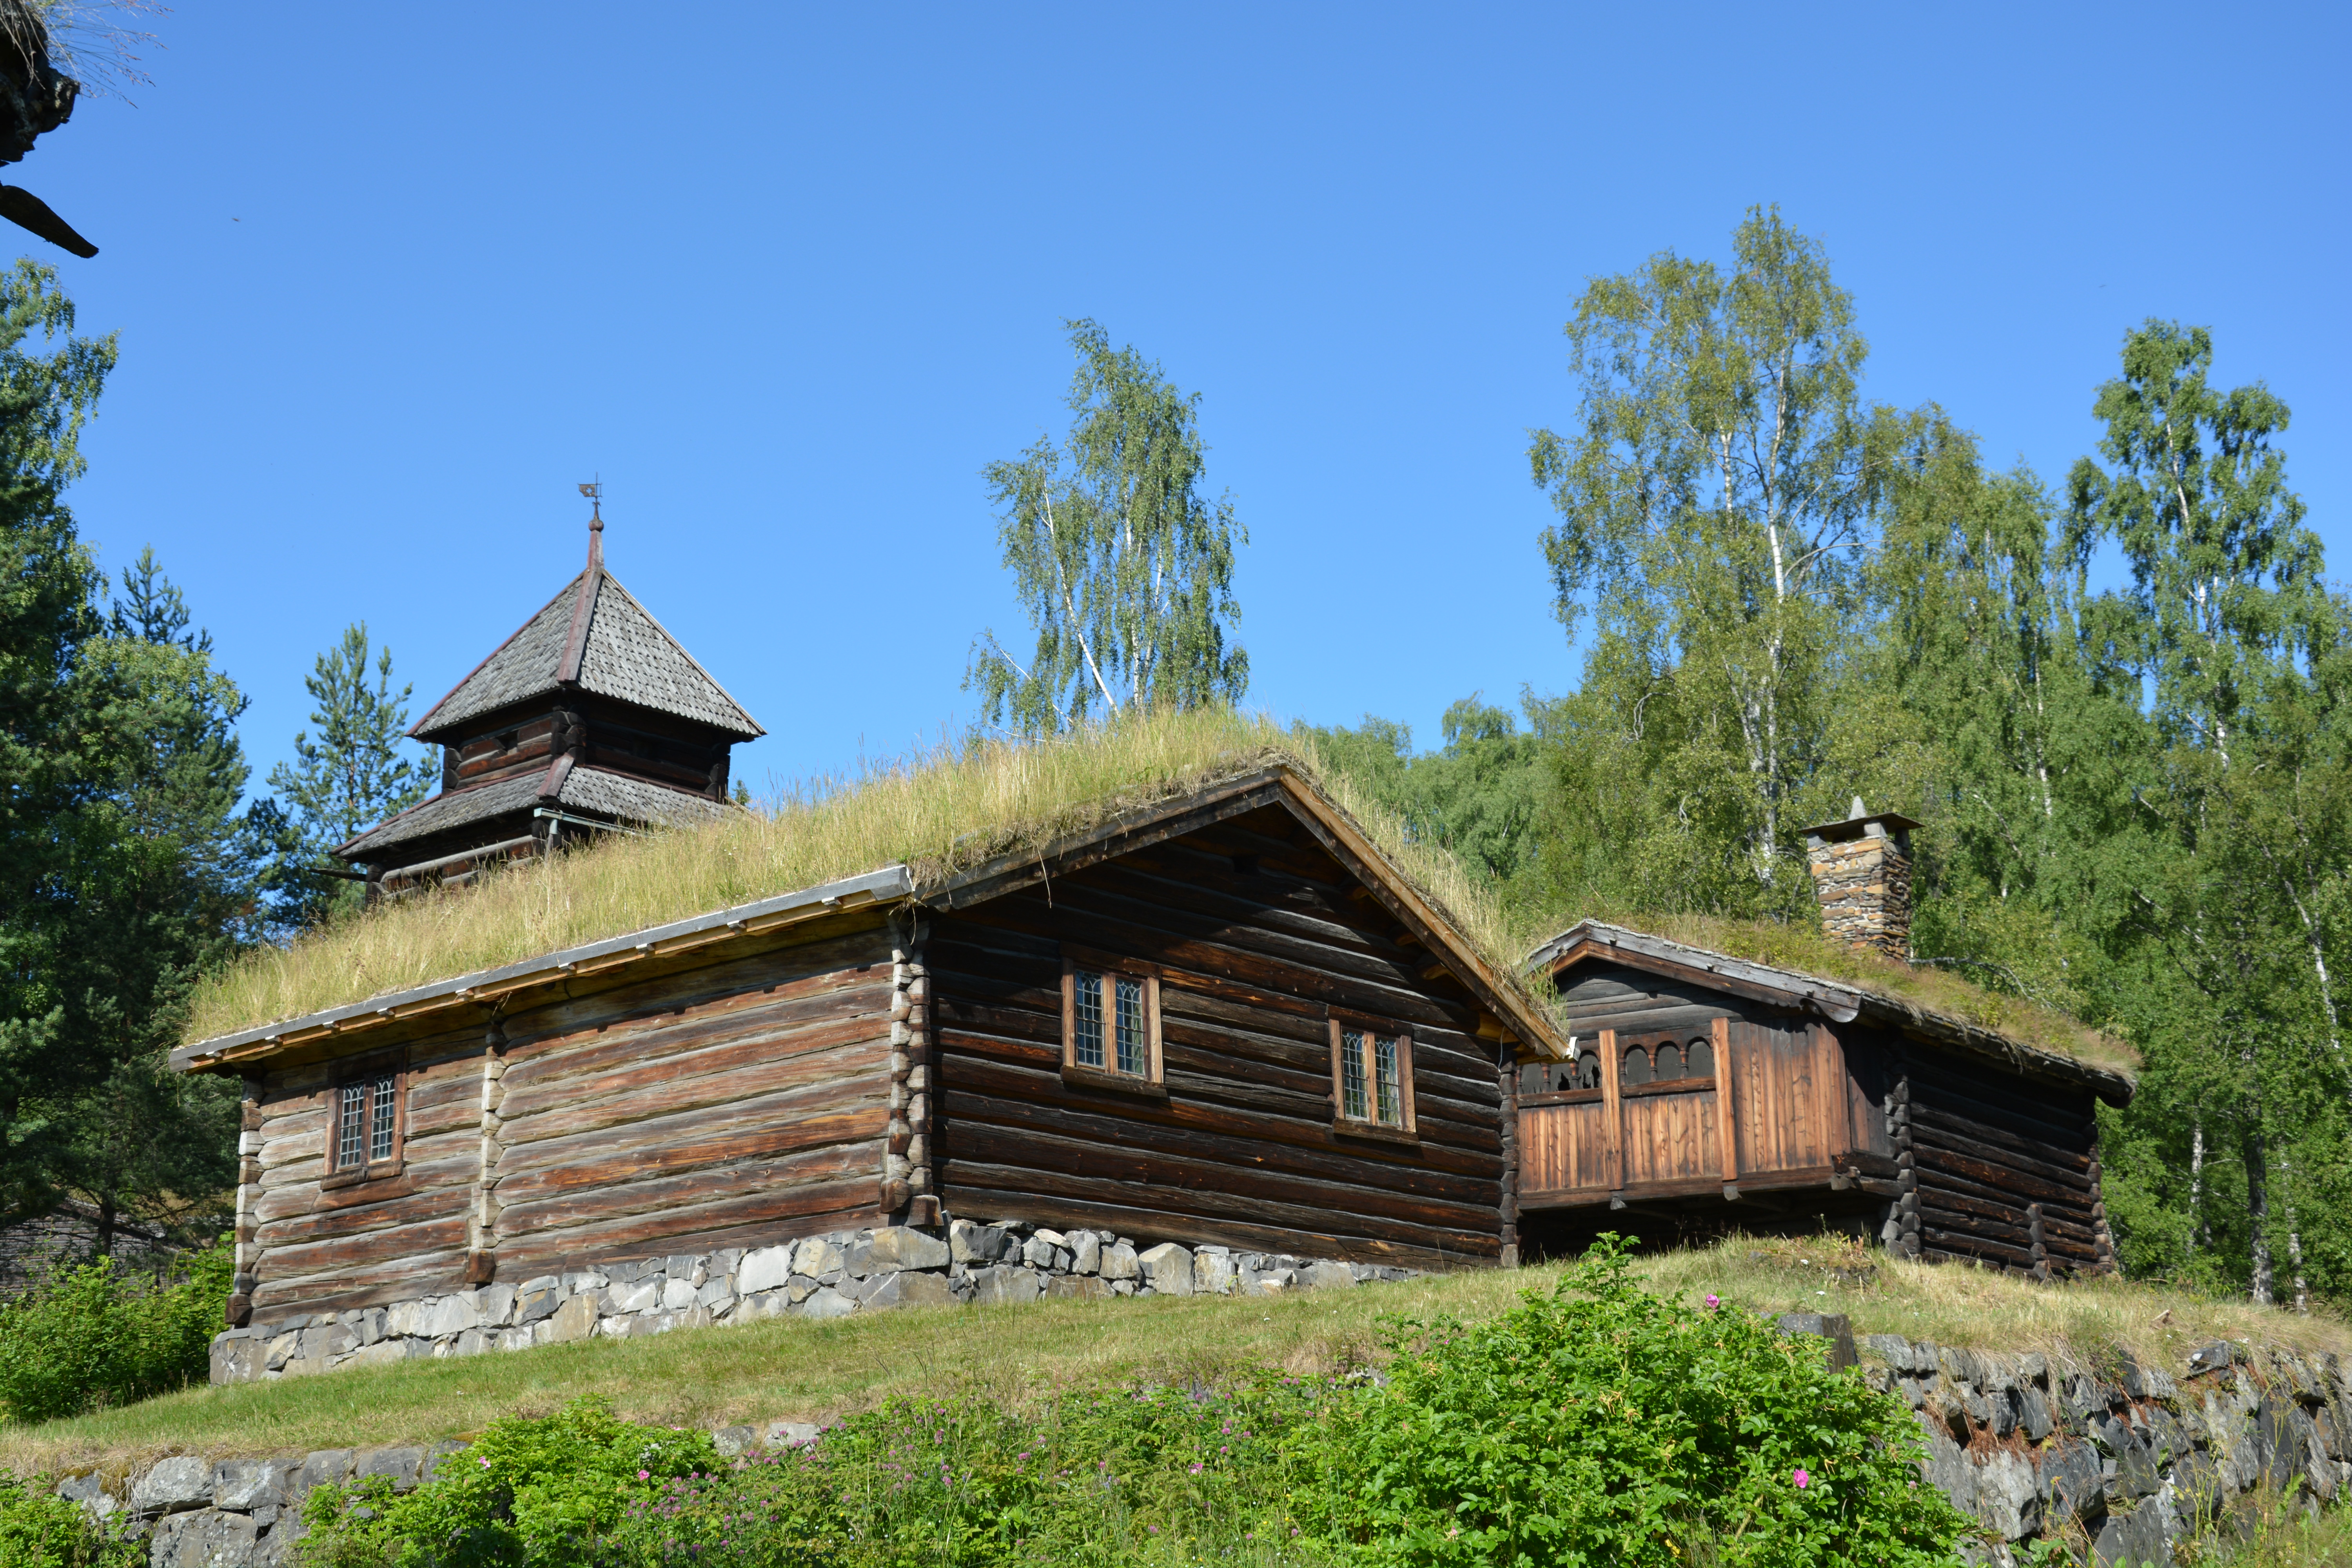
point(353, 776)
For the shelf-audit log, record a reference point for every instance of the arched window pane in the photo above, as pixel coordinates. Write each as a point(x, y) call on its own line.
point(1670, 1061)
point(1637, 1067)
point(1088, 1046)
point(1701, 1058)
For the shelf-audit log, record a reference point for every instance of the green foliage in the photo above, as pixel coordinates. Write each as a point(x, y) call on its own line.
point(41, 1530)
point(90, 1337)
point(1094, 1477)
point(1602, 1424)
point(1122, 564)
point(1481, 797)
point(546, 1491)
point(1717, 494)
point(353, 776)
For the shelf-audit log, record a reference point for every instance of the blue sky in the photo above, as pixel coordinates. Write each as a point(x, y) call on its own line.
point(390, 281)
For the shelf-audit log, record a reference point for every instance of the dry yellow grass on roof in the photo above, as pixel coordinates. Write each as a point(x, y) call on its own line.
point(956, 807)
point(1920, 988)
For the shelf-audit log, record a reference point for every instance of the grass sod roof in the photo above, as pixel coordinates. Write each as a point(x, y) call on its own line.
point(953, 811)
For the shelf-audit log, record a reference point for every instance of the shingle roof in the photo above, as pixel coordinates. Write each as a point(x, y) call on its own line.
point(584, 789)
point(626, 654)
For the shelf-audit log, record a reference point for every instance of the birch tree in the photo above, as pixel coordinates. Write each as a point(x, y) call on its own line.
point(1124, 566)
point(1716, 496)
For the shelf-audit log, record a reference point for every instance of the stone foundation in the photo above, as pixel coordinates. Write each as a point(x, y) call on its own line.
point(817, 1276)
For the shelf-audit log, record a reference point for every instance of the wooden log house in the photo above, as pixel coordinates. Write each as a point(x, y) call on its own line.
point(1223, 1017)
point(1704, 1093)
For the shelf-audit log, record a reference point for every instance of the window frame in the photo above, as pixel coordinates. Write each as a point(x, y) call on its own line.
point(367, 1071)
point(1151, 1082)
point(1408, 1128)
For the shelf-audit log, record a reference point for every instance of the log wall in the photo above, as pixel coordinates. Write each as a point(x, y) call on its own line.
point(2004, 1171)
point(1259, 933)
point(725, 1104)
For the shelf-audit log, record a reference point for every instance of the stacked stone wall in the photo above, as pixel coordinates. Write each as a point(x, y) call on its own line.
point(828, 1276)
point(2130, 1463)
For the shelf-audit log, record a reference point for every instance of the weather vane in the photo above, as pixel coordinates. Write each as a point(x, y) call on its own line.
point(594, 491)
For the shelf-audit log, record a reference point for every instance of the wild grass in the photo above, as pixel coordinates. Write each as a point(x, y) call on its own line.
point(788, 1369)
point(955, 807)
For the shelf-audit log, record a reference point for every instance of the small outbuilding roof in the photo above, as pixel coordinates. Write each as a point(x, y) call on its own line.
point(1839, 1001)
point(593, 637)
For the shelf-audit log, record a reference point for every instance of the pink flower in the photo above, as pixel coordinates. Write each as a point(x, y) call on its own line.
point(486, 1461)
point(1802, 1478)
point(1714, 1301)
point(645, 1476)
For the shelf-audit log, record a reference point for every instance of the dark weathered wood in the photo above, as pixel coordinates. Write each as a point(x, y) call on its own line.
point(2045, 1154)
point(2001, 1178)
point(2053, 1180)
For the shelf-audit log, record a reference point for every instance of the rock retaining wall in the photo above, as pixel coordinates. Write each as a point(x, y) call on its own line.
point(817, 1276)
point(2128, 1463)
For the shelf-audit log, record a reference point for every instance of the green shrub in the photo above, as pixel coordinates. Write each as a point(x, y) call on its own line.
point(1603, 1424)
point(89, 1338)
point(41, 1530)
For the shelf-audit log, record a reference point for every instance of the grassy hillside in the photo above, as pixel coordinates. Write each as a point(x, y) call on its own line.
point(790, 1369)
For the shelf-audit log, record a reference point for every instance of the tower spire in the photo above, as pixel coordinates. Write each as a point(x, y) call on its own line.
point(594, 491)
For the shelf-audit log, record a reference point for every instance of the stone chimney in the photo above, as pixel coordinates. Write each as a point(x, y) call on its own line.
point(1862, 874)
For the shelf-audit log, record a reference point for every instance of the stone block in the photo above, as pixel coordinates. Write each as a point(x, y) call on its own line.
point(1949, 1472)
point(2132, 1539)
point(403, 1319)
point(400, 1465)
point(732, 1441)
point(1002, 1285)
point(825, 1303)
point(2071, 1485)
point(539, 1282)
point(639, 1296)
point(182, 1482)
point(2034, 1414)
point(283, 1348)
point(1214, 1273)
point(900, 1247)
point(323, 1466)
point(437, 1456)
point(689, 1267)
point(1118, 1261)
point(381, 1352)
point(207, 1537)
point(534, 1306)
point(1085, 1252)
point(584, 1279)
point(1077, 1288)
point(249, 1483)
point(910, 1287)
point(497, 1303)
point(2008, 1500)
point(90, 1489)
point(576, 1320)
point(1269, 1282)
point(677, 1295)
point(1039, 1253)
point(237, 1361)
point(473, 1342)
point(1167, 1268)
point(972, 1243)
point(716, 1293)
point(1325, 1276)
point(801, 1287)
point(1892, 1349)
point(453, 1316)
point(797, 1434)
point(764, 1269)
point(818, 1256)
